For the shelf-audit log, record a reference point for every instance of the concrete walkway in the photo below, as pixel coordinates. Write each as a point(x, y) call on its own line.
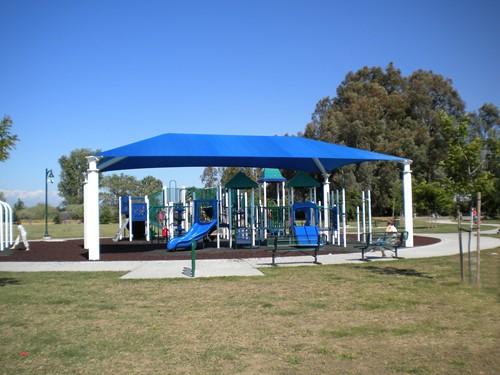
point(240, 267)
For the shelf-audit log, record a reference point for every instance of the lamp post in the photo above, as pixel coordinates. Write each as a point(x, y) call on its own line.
point(49, 177)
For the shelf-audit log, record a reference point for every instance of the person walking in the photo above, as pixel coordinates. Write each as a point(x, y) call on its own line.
point(21, 236)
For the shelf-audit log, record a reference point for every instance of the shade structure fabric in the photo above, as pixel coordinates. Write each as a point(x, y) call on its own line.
point(241, 181)
point(271, 175)
point(207, 150)
point(302, 180)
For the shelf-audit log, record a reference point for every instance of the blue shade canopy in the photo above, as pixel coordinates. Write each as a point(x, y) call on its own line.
point(206, 150)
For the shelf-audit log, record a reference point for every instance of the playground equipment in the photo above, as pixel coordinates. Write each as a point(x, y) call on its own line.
point(365, 201)
point(305, 219)
point(270, 176)
point(133, 216)
point(205, 222)
point(338, 225)
point(5, 226)
point(241, 210)
point(177, 215)
point(158, 215)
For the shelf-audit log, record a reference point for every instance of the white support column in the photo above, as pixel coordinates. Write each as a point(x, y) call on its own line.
point(283, 192)
point(326, 195)
point(183, 195)
point(265, 209)
point(130, 219)
point(408, 202)
point(278, 194)
point(245, 202)
point(92, 207)
point(339, 224)
point(219, 213)
point(252, 216)
point(357, 222)
point(284, 203)
point(363, 215)
point(3, 226)
point(85, 215)
point(369, 201)
point(344, 229)
point(230, 218)
point(120, 223)
point(146, 199)
point(9, 222)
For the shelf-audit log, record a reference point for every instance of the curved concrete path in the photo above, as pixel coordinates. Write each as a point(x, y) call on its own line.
point(241, 267)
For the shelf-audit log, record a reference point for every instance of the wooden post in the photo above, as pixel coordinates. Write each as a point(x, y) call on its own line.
point(469, 257)
point(460, 245)
point(478, 237)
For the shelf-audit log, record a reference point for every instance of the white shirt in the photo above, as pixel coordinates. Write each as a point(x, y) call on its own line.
point(391, 229)
point(21, 230)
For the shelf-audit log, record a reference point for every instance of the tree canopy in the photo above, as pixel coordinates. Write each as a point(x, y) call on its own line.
point(116, 185)
point(73, 173)
point(421, 117)
point(7, 139)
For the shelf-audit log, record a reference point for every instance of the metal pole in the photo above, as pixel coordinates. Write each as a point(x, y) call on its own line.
point(46, 234)
point(193, 258)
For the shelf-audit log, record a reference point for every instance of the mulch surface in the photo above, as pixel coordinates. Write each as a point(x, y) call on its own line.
point(72, 250)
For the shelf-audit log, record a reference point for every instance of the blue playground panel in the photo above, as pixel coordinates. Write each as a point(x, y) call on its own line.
point(139, 209)
point(306, 235)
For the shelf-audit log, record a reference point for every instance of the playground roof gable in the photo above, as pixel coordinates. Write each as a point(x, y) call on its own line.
point(272, 175)
point(241, 181)
point(204, 150)
point(302, 180)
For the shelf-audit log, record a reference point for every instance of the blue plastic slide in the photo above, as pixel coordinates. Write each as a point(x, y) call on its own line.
point(306, 235)
point(196, 232)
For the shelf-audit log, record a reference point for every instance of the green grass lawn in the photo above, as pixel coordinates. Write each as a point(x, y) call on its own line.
point(37, 230)
point(402, 317)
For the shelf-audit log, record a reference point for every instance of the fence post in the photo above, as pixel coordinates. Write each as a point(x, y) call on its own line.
point(193, 258)
point(459, 214)
point(478, 237)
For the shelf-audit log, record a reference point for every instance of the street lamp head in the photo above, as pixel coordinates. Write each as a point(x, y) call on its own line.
point(50, 175)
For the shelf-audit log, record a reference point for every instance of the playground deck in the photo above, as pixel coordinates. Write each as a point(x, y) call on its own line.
point(72, 250)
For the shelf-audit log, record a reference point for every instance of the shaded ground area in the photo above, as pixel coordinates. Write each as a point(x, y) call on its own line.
point(72, 250)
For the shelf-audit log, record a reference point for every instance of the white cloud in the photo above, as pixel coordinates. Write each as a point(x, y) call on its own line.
point(31, 197)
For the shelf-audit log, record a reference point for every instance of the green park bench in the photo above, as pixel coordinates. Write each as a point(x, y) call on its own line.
point(290, 244)
point(383, 241)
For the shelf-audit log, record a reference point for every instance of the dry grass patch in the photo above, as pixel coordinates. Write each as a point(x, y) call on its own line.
point(398, 317)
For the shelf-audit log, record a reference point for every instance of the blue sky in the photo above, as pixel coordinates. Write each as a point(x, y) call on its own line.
point(100, 74)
